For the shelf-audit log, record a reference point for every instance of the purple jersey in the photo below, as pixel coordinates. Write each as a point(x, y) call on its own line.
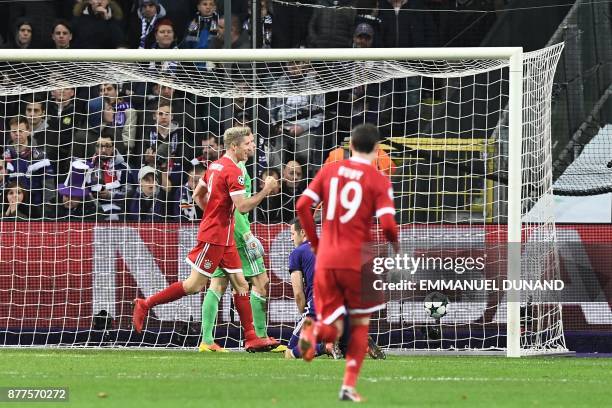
point(302, 259)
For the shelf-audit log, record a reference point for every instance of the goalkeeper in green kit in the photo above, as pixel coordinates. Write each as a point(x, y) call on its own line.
point(251, 255)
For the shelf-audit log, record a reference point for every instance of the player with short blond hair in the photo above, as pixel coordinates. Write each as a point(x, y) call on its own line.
point(218, 193)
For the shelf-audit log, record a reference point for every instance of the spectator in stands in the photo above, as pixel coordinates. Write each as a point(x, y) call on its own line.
point(164, 40)
point(74, 200)
point(270, 210)
point(240, 38)
point(189, 210)
point(174, 158)
point(210, 151)
point(29, 164)
point(330, 26)
point(203, 27)
point(97, 24)
point(40, 14)
point(61, 34)
point(367, 12)
point(297, 120)
point(149, 200)
point(180, 12)
point(164, 36)
point(22, 34)
point(109, 181)
point(363, 103)
point(143, 22)
point(16, 205)
point(231, 108)
point(264, 28)
point(291, 24)
point(64, 116)
point(293, 185)
point(183, 108)
point(382, 162)
point(243, 118)
point(35, 112)
point(238, 111)
point(124, 116)
point(402, 28)
point(363, 37)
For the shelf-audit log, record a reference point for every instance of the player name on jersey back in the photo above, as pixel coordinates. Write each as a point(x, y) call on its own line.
point(352, 174)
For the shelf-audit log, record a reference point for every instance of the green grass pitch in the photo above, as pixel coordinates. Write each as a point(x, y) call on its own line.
point(124, 378)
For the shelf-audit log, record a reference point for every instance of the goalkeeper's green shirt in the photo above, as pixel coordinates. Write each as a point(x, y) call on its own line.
point(242, 223)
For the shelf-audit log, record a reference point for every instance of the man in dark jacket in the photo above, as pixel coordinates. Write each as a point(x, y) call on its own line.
point(97, 25)
point(404, 26)
point(330, 27)
point(143, 22)
point(64, 116)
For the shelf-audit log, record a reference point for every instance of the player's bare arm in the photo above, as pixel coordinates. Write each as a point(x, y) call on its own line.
point(199, 194)
point(244, 204)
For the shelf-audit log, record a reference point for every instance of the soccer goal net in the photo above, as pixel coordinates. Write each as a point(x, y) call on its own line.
point(101, 150)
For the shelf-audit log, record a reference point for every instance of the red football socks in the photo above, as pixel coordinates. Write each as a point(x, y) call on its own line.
point(358, 345)
point(171, 293)
point(243, 305)
point(326, 333)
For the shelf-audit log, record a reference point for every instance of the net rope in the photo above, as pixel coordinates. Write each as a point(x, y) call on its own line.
point(70, 279)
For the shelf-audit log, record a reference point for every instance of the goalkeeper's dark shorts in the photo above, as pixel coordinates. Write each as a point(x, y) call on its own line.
point(341, 291)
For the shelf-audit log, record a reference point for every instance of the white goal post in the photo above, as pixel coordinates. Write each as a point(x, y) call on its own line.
point(472, 124)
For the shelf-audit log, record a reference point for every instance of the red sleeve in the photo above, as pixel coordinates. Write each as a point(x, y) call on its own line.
point(385, 210)
point(389, 226)
point(303, 207)
point(235, 181)
point(204, 179)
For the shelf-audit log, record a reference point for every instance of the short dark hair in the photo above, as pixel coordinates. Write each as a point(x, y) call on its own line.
point(16, 120)
point(63, 22)
point(296, 225)
point(210, 135)
point(272, 170)
point(364, 138)
point(107, 133)
point(19, 184)
point(32, 99)
point(198, 169)
point(164, 102)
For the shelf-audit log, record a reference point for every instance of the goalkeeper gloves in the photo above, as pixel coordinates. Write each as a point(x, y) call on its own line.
point(253, 247)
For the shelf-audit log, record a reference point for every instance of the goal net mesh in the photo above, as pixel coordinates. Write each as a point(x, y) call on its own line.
point(97, 207)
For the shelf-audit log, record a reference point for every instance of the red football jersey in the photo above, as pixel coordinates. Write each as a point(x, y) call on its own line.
point(352, 192)
point(223, 178)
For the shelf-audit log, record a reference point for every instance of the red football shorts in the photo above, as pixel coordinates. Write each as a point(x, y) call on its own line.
point(338, 291)
point(205, 258)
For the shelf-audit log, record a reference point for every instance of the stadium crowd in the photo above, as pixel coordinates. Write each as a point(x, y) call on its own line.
point(133, 151)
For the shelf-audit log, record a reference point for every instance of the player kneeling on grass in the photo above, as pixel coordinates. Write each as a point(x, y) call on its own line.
point(352, 192)
point(301, 267)
point(251, 254)
point(218, 192)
